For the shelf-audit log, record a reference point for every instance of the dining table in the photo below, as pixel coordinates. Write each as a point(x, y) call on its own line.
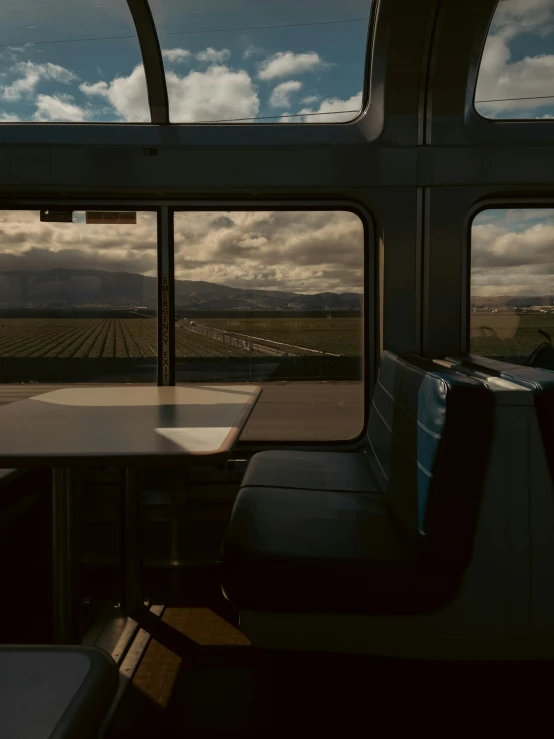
point(126, 427)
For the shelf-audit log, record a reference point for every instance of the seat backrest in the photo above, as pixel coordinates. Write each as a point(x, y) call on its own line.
point(429, 434)
point(541, 381)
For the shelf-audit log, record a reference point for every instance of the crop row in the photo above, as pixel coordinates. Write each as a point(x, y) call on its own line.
point(189, 344)
point(98, 337)
point(123, 337)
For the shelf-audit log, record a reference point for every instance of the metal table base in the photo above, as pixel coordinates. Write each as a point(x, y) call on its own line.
point(66, 493)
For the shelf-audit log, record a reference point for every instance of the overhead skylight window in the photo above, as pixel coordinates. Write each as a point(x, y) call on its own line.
point(516, 78)
point(70, 61)
point(261, 61)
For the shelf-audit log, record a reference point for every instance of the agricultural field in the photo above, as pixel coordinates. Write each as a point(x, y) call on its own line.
point(98, 337)
point(335, 335)
point(137, 337)
point(508, 334)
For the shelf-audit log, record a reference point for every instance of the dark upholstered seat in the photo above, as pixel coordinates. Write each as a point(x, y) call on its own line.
point(541, 381)
point(342, 546)
point(54, 692)
point(341, 471)
point(311, 550)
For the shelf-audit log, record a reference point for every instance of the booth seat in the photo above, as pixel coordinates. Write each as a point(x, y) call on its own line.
point(388, 529)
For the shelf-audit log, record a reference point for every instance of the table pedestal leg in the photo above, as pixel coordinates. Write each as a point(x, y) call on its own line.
point(131, 545)
point(65, 506)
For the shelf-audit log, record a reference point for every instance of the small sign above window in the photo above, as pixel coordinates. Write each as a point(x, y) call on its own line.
point(56, 216)
point(111, 216)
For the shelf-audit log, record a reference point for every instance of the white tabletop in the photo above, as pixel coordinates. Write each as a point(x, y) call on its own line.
point(120, 425)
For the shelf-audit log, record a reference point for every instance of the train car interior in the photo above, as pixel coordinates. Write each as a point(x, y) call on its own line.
point(276, 367)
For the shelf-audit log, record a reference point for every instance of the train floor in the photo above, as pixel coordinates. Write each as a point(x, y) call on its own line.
point(231, 688)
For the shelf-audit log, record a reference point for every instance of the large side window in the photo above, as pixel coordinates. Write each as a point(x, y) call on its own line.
point(275, 297)
point(78, 296)
point(512, 285)
point(515, 77)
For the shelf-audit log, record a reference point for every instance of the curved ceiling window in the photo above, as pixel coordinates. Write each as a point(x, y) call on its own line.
point(516, 78)
point(70, 61)
point(262, 61)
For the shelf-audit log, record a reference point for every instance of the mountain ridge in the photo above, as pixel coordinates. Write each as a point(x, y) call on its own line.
point(67, 287)
point(497, 301)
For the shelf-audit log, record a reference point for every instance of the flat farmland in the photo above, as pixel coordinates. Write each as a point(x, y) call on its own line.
point(97, 338)
point(508, 334)
point(336, 335)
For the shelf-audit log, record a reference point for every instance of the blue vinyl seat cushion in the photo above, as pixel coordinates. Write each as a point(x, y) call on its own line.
point(396, 541)
point(541, 381)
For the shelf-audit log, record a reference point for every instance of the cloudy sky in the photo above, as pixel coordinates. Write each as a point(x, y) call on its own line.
point(79, 60)
point(306, 252)
point(512, 252)
point(518, 61)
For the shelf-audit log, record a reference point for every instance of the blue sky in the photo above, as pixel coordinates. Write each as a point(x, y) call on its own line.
point(211, 74)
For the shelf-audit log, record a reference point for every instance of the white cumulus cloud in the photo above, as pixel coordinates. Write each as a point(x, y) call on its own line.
point(213, 56)
point(288, 63)
point(302, 251)
point(517, 16)
point(128, 95)
point(58, 108)
point(332, 110)
point(176, 55)
point(9, 117)
point(31, 74)
point(501, 78)
point(280, 97)
point(216, 94)
point(252, 51)
point(511, 252)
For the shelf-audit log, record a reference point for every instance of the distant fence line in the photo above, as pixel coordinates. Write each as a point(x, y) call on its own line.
point(241, 314)
point(188, 369)
point(249, 343)
point(218, 335)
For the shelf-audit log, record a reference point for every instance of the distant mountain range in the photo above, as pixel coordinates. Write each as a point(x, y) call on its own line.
point(511, 301)
point(83, 288)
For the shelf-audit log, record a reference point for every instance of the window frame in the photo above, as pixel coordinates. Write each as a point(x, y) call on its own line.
point(165, 266)
point(84, 205)
point(370, 318)
point(500, 203)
